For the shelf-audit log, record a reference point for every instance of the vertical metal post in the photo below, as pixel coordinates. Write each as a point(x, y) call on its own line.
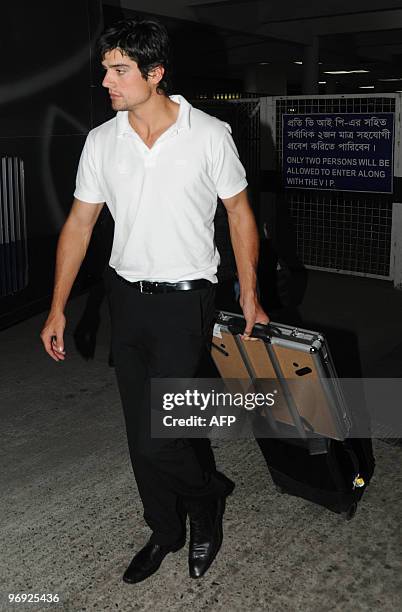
point(396, 245)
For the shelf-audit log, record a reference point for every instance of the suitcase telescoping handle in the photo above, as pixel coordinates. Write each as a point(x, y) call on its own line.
point(260, 330)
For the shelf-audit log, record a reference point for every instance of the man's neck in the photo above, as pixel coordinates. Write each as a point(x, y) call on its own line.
point(154, 116)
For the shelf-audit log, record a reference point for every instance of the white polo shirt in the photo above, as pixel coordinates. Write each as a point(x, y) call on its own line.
point(163, 199)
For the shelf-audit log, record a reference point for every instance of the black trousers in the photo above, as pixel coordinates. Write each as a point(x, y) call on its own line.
point(162, 336)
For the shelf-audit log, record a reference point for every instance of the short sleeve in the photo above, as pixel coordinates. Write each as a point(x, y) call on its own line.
point(87, 186)
point(228, 172)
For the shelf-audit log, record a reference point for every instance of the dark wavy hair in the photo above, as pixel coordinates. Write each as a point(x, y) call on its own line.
point(145, 42)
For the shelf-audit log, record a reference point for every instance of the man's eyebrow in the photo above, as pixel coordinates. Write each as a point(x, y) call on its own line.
point(116, 65)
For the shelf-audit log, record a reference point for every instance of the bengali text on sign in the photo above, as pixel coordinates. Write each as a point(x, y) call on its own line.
point(343, 152)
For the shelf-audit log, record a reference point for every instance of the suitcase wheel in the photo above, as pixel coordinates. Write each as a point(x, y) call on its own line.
point(350, 512)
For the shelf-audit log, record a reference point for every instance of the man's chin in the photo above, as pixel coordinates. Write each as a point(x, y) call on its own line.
point(118, 105)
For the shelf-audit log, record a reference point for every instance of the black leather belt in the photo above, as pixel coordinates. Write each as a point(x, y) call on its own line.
point(160, 287)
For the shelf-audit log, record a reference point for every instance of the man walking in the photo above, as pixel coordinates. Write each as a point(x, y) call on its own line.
point(160, 165)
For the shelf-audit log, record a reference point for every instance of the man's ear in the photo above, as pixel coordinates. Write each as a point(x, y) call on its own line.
point(156, 74)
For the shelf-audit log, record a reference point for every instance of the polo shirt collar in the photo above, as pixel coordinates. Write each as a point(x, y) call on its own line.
point(123, 125)
point(183, 118)
point(182, 121)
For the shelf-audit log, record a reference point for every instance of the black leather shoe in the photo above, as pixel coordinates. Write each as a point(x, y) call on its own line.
point(148, 559)
point(206, 535)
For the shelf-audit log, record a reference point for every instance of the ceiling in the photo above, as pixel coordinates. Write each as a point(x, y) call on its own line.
point(362, 34)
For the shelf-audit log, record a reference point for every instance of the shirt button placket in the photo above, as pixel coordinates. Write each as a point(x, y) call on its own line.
point(150, 157)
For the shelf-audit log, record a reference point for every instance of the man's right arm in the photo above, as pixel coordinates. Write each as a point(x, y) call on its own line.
point(71, 249)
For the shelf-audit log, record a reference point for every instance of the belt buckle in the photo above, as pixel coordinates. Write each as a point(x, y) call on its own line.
point(142, 290)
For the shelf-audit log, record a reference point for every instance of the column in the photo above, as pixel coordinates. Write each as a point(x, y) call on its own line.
point(310, 67)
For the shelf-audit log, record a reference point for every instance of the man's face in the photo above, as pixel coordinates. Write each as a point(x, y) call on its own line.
point(127, 87)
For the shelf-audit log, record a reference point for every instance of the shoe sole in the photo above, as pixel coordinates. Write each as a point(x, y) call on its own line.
point(155, 569)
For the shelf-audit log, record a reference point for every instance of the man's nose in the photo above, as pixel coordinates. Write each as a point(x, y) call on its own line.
point(107, 80)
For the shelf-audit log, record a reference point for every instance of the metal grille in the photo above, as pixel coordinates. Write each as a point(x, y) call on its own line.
point(344, 231)
point(343, 234)
point(13, 240)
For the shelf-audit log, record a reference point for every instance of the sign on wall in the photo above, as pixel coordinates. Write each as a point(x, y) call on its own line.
point(342, 152)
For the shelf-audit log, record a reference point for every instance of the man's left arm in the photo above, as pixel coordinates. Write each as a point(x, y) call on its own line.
point(245, 242)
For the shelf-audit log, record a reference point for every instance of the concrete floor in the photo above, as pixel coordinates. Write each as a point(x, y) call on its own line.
point(71, 518)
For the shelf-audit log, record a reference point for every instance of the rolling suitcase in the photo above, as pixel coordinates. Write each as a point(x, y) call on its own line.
point(305, 438)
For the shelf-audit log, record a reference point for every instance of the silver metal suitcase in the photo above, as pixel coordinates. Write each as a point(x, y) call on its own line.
point(310, 401)
point(308, 451)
